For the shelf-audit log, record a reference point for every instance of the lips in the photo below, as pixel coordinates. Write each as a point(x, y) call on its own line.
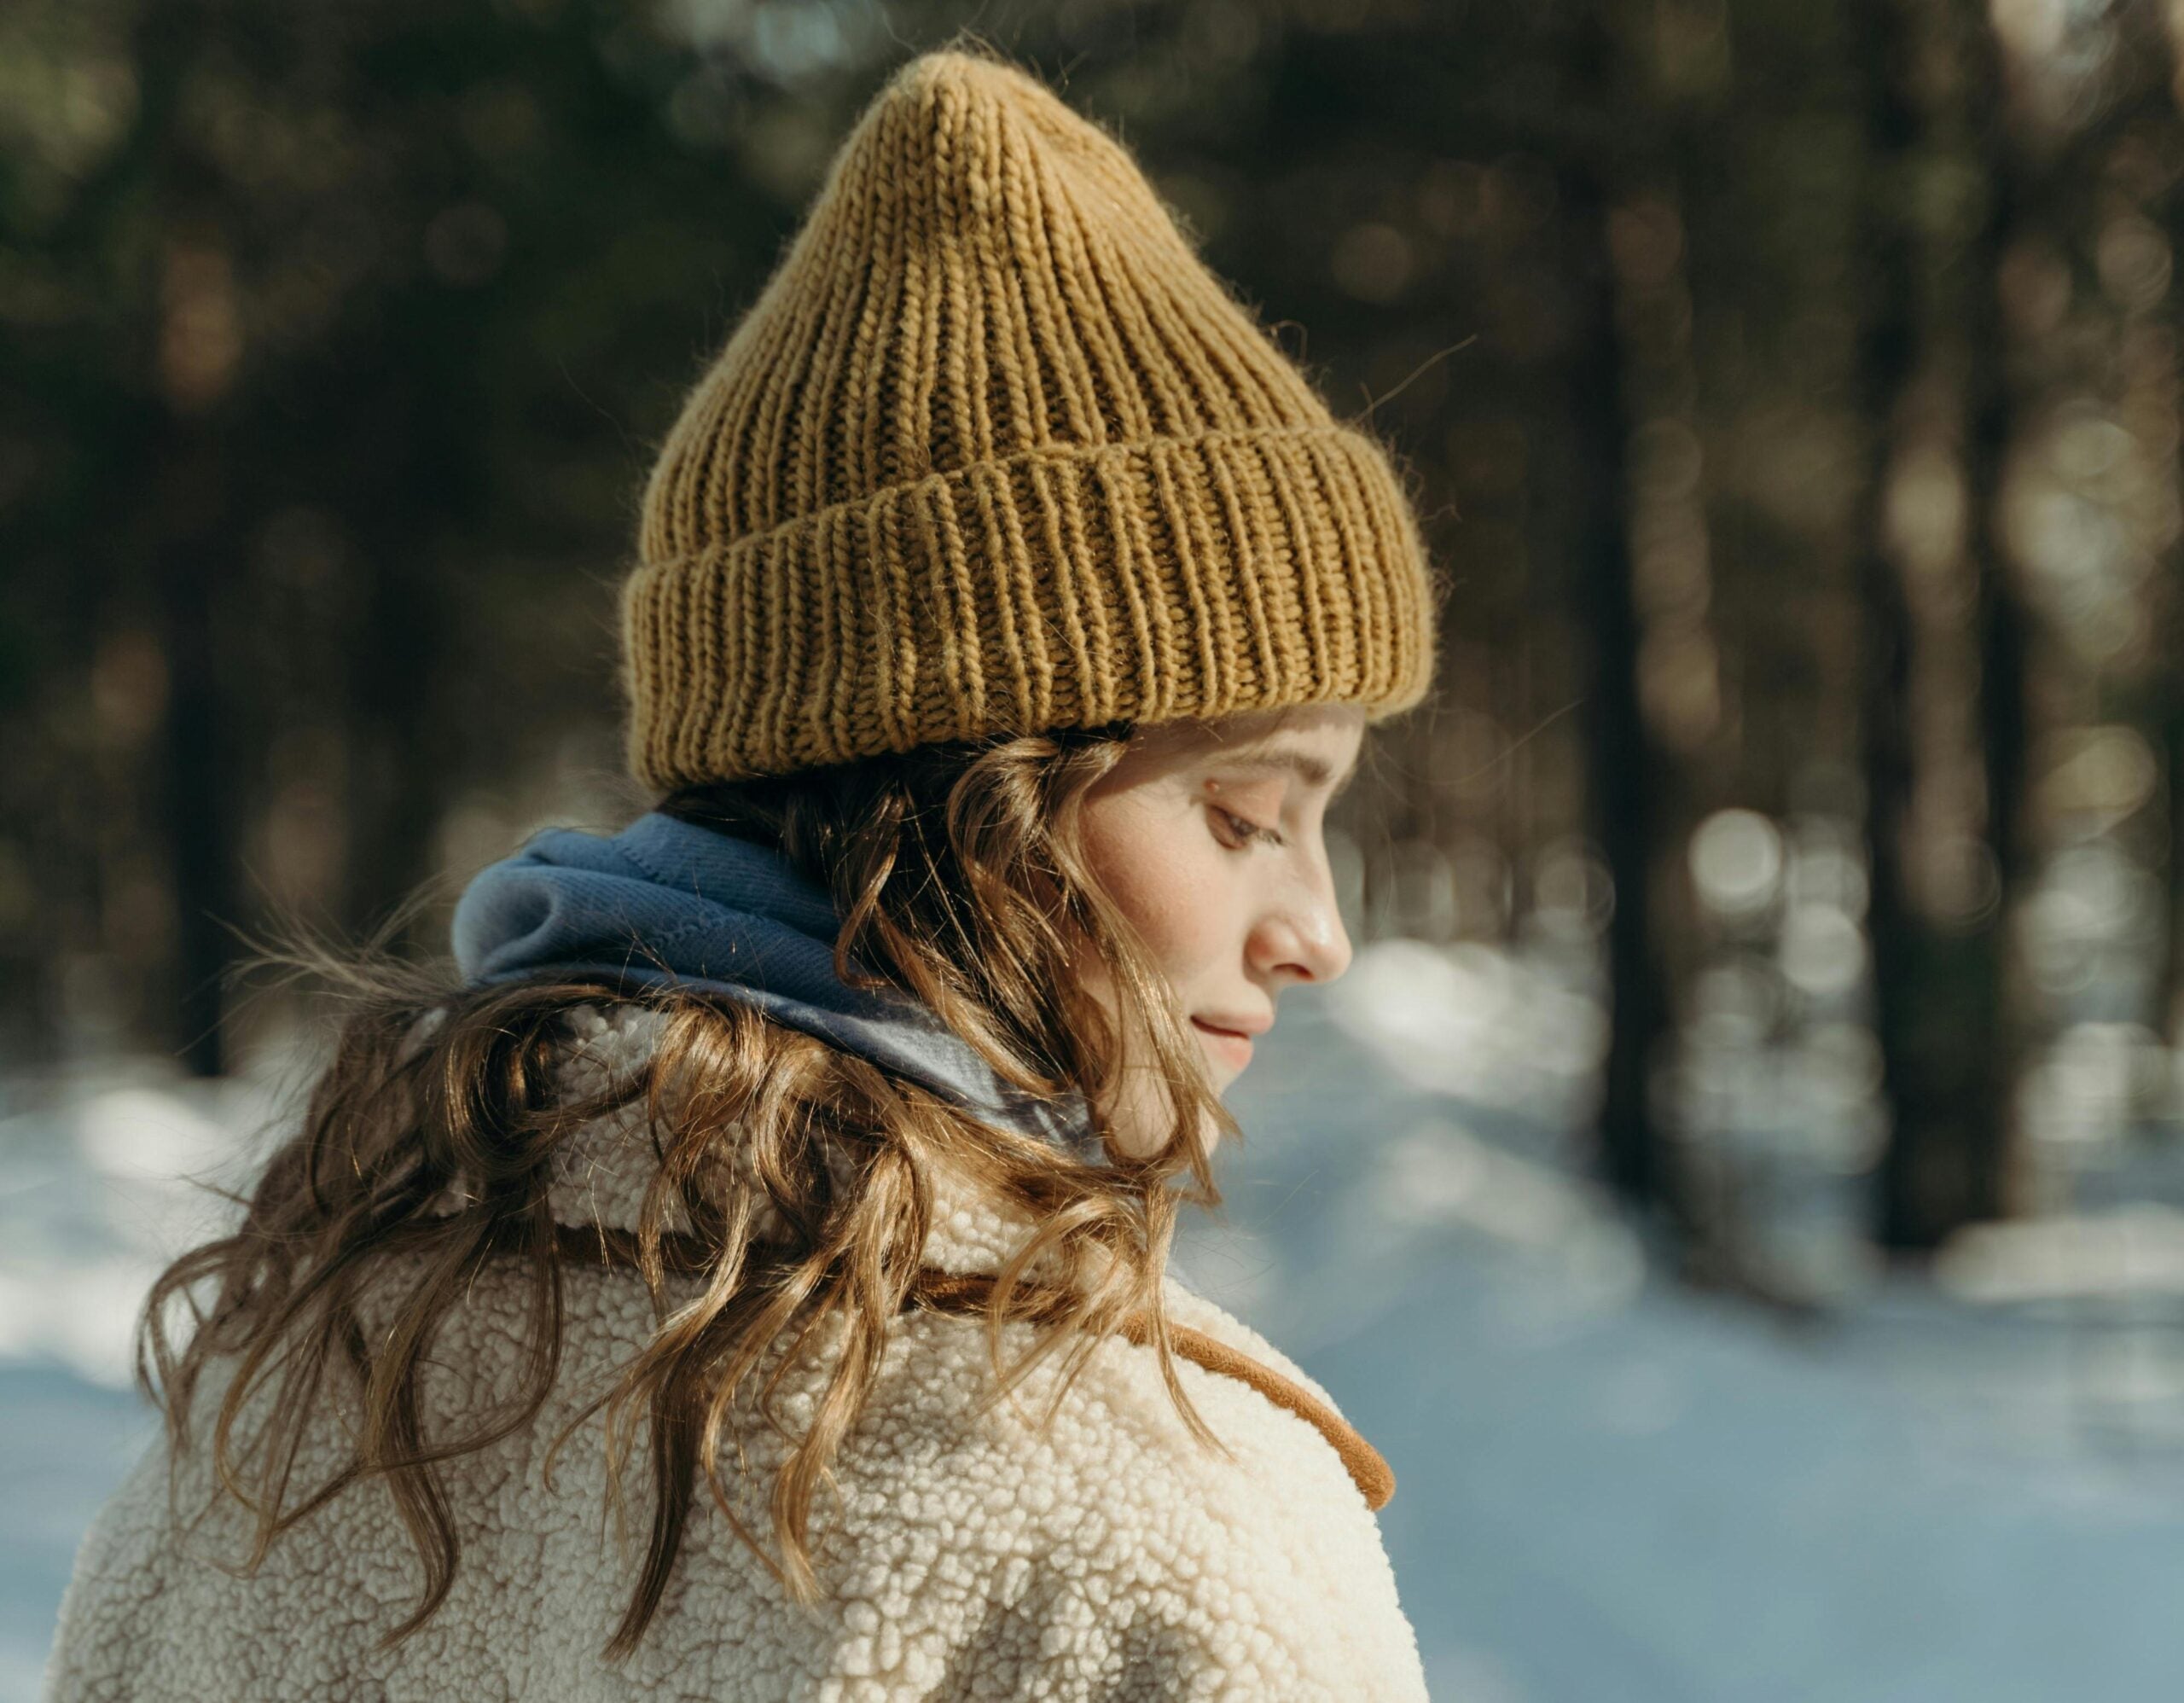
point(1231, 1045)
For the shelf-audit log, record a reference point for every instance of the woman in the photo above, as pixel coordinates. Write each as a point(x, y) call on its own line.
point(749, 1282)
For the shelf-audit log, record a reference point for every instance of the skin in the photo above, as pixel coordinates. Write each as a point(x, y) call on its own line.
point(1211, 838)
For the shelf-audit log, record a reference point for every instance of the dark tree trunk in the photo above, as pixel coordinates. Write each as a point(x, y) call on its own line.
point(2169, 1011)
point(1888, 360)
point(398, 754)
point(201, 804)
point(1621, 757)
point(1624, 772)
point(2165, 710)
point(196, 552)
point(1949, 1021)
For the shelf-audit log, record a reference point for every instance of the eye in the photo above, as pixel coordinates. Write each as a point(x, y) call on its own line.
point(1238, 833)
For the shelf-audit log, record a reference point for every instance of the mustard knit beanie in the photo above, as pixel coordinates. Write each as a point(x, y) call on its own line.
point(994, 452)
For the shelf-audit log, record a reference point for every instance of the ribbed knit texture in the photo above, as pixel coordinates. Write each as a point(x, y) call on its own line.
point(994, 451)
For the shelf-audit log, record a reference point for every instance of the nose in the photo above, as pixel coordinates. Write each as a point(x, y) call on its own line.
point(1302, 939)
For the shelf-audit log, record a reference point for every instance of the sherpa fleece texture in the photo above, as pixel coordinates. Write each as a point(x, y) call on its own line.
point(970, 1555)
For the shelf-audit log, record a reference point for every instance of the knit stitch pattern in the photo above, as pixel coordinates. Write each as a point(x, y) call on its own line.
point(994, 452)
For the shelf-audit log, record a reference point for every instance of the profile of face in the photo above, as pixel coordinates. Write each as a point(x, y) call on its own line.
point(1210, 836)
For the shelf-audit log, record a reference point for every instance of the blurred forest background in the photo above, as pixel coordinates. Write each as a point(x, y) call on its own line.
point(1793, 391)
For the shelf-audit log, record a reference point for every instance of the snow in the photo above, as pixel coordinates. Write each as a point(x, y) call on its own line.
point(1610, 1490)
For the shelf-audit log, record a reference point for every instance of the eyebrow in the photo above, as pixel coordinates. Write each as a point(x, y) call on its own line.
point(1313, 771)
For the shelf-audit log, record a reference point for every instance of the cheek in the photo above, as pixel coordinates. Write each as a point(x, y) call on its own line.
point(1174, 891)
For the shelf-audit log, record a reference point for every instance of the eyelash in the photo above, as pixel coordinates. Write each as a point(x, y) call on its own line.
point(1247, 832)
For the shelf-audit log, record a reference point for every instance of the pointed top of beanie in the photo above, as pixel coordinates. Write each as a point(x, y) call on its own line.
point(994, 451)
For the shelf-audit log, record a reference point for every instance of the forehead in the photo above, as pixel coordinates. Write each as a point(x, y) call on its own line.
point(1320, 744)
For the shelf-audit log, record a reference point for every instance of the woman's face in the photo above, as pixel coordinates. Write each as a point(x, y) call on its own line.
point(1209, 837)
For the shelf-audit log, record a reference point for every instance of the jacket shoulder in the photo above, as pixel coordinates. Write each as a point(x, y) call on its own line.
point(1107, 1535)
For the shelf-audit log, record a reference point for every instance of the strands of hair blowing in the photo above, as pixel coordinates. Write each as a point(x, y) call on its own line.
point(805, 1172)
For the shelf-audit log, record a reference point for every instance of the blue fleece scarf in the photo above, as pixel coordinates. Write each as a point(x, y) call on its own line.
point(669, 902)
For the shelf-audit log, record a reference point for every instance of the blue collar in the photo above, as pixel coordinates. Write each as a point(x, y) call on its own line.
point(667, 902)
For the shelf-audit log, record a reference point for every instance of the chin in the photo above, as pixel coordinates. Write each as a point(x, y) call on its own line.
point(1208, 1135)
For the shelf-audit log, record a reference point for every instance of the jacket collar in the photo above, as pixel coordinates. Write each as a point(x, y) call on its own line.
point(604, 1171)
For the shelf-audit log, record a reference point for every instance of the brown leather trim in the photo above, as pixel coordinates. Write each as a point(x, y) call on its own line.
point(968, 1292)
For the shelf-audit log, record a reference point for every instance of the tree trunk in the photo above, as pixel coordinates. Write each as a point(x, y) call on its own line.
point(192, 365)
point(1624, 779)
point(1947, 1018)
point(201, 804)
point(1888, 359)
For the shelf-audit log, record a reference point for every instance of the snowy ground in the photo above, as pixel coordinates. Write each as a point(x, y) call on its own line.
point(1610, 1491)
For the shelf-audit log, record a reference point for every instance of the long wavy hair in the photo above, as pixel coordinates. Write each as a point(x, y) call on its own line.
point(959, 873)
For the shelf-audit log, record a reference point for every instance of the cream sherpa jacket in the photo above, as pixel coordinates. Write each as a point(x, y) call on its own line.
point(969, 1555)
